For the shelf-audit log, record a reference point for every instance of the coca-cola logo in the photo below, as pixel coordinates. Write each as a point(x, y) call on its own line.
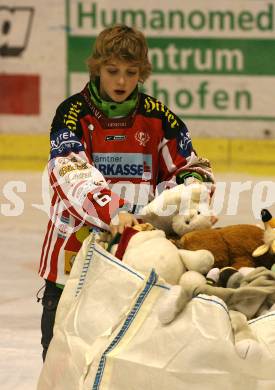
point(15, 29)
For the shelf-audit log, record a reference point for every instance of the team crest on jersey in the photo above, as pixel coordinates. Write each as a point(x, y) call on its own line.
point(142, 138)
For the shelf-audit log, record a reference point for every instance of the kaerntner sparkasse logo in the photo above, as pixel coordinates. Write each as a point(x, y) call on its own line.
point(15, 28)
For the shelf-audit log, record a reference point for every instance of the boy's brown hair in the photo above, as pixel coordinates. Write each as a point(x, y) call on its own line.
point(123, 43)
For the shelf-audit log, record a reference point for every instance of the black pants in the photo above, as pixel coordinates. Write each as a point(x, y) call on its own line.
point(50, 301)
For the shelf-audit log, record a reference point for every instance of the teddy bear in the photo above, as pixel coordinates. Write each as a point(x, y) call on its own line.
point(180, 209)
point(147, 250)
point(144, 248)
point(231, 245)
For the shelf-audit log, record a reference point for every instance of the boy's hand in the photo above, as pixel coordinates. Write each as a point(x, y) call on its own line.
point(121, 221)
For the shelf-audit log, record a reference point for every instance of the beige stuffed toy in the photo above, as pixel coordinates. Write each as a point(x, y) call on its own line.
point(151, 249)
point(180, 209)
point(176, 210)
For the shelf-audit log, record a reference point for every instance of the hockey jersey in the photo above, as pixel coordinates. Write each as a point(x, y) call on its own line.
point(100, 165)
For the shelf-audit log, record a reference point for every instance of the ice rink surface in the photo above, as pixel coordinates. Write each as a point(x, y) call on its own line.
point(21, 240)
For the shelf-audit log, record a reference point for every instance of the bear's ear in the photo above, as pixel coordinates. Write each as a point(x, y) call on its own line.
point(196, 194)
point(199, 193)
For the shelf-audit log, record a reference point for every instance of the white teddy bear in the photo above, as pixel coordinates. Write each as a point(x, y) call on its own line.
point(177, 210)
point(151, 249)
point(180, 209)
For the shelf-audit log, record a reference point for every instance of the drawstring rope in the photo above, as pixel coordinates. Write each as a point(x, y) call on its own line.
point(38, 292)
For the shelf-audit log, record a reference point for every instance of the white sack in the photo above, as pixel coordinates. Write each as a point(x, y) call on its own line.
point(107, 336)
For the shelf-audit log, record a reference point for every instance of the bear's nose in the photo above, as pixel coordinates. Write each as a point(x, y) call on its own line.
point(187, 222)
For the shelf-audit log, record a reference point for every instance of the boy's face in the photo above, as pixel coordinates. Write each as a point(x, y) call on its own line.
point(118, 80)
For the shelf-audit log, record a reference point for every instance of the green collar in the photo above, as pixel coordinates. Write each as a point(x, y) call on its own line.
point(112, 109)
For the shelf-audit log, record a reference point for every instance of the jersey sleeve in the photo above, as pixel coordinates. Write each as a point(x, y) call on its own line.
point(176, 152)
point(80, 186)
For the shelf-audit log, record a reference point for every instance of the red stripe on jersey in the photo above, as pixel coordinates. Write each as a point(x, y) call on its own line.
point(50, 231)
point(63, 197)
point(54, 258)
point(43, 262)
point(166, 170)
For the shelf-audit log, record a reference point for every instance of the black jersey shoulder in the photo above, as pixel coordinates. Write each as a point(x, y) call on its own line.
point(68, 114)
point(153, 108)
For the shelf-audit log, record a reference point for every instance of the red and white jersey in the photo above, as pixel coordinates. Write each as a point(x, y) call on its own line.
point(99, 165)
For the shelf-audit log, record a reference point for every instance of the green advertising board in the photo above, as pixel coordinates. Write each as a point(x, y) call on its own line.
point(213, 62)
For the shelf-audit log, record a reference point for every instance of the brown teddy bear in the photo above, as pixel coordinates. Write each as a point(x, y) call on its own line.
point(231, 245)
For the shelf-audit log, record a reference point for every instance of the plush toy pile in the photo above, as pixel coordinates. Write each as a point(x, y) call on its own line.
point(231, 262)
point(185, 211)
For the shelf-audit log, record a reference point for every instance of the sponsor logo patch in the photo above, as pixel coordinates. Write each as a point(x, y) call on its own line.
point(115, 137)
point(63, 142)
point(124, 165)
point(73, 165)
point(154, 105)
point(70, 119)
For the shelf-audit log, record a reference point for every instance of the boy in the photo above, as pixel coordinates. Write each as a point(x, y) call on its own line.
point(108, 139)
